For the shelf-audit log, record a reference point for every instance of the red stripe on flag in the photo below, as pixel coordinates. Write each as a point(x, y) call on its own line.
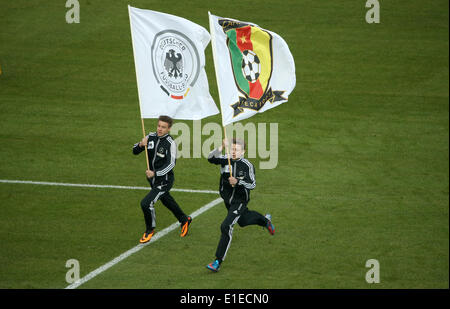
point(256, 90)
point(243, 38)
point(177, 97)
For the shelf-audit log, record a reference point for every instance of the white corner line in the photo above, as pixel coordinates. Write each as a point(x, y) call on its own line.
point(126, 254)
point(47, 183)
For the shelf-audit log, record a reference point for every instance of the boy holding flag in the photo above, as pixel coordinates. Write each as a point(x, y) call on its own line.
point(235, 191)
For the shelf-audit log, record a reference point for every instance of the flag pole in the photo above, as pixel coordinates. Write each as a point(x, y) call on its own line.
point(137, 79)
point(146, 152)
point(213, 47)
point(227, 150)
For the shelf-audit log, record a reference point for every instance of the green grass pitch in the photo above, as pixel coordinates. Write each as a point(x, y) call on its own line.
point(363, 168)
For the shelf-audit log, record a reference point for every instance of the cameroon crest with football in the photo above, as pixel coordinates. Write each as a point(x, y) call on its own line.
point(250, 49)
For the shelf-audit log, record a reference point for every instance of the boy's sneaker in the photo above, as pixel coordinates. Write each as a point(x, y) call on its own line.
point(185, 227)
point(146, 237)
point(269, 225)
point(214, 266)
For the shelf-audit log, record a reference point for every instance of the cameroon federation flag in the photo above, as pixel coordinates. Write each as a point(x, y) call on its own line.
point(251, 39)
point(255, 70)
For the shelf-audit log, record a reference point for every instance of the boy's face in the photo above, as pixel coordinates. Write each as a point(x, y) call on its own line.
point(237, 151)
point(163, 128)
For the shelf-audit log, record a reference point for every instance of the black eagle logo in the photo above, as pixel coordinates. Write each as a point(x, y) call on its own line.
point(173, 65)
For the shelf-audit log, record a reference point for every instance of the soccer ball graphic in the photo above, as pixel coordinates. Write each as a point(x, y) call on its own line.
point(251, 66)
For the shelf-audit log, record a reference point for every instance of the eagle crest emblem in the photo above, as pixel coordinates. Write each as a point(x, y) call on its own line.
point(175, 63)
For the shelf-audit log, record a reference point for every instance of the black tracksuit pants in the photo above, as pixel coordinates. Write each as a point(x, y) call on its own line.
point(237, 212)
point(160, 192)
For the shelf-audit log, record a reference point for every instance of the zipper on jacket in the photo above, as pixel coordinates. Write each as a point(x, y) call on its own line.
point(154, 156)
point(234, 188)
point(153, 161)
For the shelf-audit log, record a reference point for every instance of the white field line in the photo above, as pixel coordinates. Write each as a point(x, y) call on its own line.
point(46, 183)
point(126, 254)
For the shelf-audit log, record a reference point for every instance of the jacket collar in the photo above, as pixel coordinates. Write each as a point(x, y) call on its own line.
point(161, 137)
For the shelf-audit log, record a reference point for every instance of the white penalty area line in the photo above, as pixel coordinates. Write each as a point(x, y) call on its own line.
point(46, 183)
point(126, 254)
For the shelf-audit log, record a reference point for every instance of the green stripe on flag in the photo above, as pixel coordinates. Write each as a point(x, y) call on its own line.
point(236, 59)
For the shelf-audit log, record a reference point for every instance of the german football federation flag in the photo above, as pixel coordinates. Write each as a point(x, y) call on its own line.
point(169, 58)
point(255, 70)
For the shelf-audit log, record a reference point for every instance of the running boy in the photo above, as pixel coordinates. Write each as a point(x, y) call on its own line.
point(162, 152)
point(235, 192)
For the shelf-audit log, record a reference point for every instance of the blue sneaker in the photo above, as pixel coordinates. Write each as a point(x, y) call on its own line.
point(269, 225)
point(214, 266)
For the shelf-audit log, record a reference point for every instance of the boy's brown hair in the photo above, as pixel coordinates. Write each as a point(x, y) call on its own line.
point(237, 141)
point(166, 119)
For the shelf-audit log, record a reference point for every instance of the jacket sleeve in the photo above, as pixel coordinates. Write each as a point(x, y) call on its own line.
point(216, 157)
point(170, 160)
point(249, 181)
point(137, 149)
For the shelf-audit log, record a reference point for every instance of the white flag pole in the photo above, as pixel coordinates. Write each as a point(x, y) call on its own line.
point(137, 80)
point(213, 46)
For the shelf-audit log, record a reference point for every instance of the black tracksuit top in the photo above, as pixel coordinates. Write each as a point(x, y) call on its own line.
point(243, 171)
point(162, 152)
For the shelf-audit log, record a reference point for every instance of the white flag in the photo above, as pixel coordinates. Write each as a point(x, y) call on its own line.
point(169, 55)
point(255, 70)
